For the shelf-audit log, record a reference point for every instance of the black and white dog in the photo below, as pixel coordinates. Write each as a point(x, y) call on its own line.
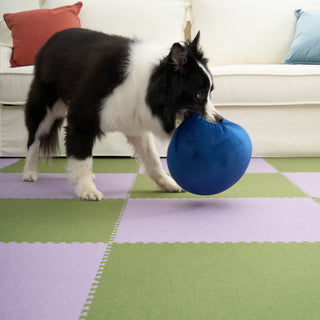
point(103, 83)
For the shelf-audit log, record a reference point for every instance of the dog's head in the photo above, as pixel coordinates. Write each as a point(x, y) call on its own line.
point(182, 84)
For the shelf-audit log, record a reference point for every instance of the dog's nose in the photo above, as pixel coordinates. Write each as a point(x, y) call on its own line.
point(218, 118)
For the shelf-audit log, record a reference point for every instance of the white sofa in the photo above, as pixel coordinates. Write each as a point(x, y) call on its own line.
point(245, 41)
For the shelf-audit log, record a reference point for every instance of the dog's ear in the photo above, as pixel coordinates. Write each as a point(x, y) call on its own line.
point(194, 45)
point(179, 55)
point(195, 41)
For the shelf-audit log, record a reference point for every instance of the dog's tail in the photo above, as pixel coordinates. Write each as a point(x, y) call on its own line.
point(49, 143)
point(44, 115)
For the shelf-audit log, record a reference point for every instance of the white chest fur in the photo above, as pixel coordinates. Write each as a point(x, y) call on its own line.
point(125, 109)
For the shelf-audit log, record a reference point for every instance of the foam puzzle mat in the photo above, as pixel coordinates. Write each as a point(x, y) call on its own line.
point(251, 252)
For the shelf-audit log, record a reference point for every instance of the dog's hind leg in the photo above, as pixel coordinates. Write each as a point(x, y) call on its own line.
point(34, 115)
point(43, 116)
point(31, 165)
point(145, 150)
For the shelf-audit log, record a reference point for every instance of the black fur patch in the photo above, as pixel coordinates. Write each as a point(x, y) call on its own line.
point(80, 67)
point(175, 83)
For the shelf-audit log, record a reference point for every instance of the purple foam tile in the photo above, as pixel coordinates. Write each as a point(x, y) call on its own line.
point(141, 169)
point(46, 281)
point(220, 220)
point(57, 186)
point(115, 185)
point(4, 162)
point(259, 165)
point(309, 182)
point(50, 186)
point(164, 165)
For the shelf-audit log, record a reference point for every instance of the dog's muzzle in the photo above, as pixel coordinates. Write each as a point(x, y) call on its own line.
point(213, 117)
point(218, 118)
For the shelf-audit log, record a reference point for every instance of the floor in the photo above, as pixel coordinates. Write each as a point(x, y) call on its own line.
point(251, 252)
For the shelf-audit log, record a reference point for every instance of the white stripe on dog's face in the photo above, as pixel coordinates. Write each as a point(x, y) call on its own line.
point(209, 108)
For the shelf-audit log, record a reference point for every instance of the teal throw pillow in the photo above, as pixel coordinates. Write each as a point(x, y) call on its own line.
point(305, 48)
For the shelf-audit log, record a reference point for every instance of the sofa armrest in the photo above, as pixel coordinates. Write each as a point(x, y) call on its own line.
point(5, 56)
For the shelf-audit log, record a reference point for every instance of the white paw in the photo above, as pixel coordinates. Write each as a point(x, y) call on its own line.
point(167, 184)
point(89, 192)
point(30, 176)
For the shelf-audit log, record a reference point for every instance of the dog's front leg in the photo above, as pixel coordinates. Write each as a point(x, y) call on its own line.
point(80, 172)
point(145, 150)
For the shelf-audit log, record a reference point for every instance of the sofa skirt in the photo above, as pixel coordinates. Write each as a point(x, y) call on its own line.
point(275, 131)
point(13, 138)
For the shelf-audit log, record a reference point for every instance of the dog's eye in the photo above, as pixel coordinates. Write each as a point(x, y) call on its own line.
point(201, 95)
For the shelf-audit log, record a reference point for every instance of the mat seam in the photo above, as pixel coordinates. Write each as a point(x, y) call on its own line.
point(87, 305)
point(297, 186)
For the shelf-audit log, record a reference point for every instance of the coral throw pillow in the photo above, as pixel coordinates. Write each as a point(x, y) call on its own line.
point(31, 29)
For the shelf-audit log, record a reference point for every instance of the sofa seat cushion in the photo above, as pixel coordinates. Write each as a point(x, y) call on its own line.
point(15, 84)
point(235, 85)
point(254, 85)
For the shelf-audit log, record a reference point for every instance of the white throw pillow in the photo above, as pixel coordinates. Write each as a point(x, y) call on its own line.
point(153, 20)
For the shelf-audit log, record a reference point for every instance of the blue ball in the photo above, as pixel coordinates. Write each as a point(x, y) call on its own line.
point(207, 158)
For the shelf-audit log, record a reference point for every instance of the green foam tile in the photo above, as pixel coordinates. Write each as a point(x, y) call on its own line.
point(250, 185)
point(43, 220)
point(115, 165)
point(209, 281)
point(295, 164)
point(317, 199)
point(264, 185)
point(100, 165)
point(55, 165)
point(144, 187)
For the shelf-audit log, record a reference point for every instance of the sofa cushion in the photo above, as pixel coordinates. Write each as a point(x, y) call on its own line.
point(246, 31)
point(305, 47)
point(31, 29)
point(153, 20)
point(263, 85)
point(235, 85)
point(15, 84)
